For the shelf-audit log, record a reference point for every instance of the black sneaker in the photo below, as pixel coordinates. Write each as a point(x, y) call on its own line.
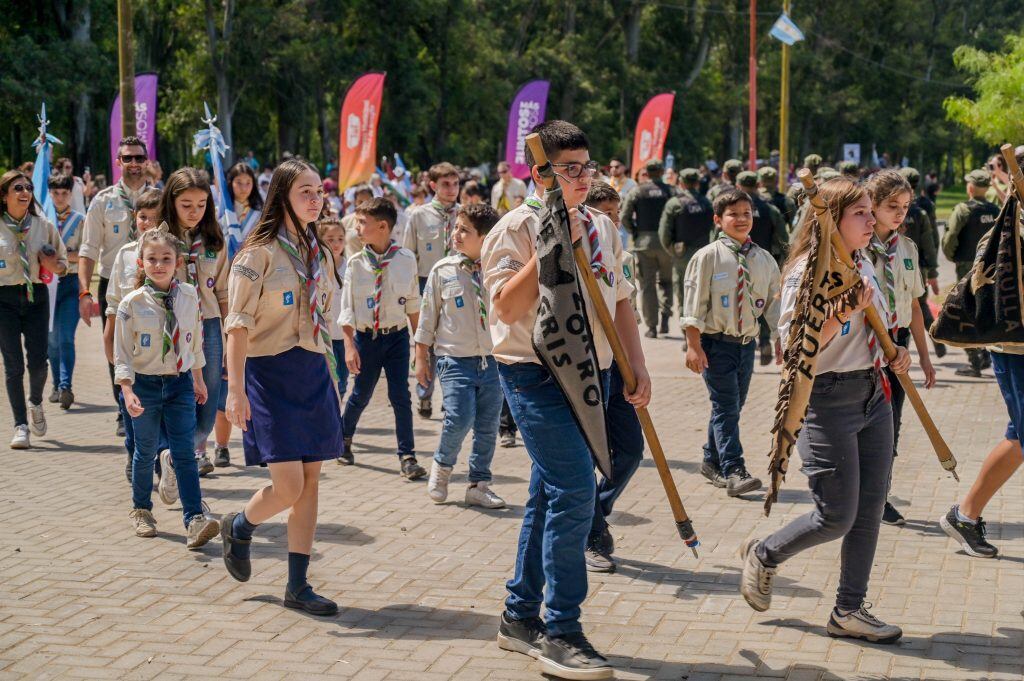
point(128, 469)
point(970, 536)
point(572, 657)
point(712, 474)
point(940, 350)
point(598, 552)
point(508, 439)
point(739, 481)
point(221, 457)
point(968, 371)
point(521, 636)
point(346, 458)
point(66, 398)
point(890, 516)
point(411, 469)
point(663, 327)
point(651, 333)
point(120, 427)
point(425, 409)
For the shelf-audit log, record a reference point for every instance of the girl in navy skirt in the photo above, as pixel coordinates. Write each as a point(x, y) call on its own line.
point(280, 373)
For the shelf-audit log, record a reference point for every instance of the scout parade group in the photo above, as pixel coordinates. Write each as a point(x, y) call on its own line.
point(271, 333)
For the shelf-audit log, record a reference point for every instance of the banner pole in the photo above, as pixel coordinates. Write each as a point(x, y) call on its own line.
point(126, 67)
point(752, 154)
point(784, 115)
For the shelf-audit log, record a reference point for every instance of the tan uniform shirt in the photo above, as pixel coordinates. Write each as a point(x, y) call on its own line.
point(74, 242)
point(353, 244)
point(424, 236)
point(123, 274)
point(507, 249)
point(907, 277)
point(711, 286)
point(400, 294)
point(211, 277)
point(629, 274)
point(41, 231)
point(450, 312)
point(138, 335)
point(107, 227)
point(266, 297)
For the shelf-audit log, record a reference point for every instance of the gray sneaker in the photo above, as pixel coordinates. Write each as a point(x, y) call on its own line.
point(713, 475)
point(204, 464)
point(143, 522)
point(739, 481)
point(167, 488)
point(863, 625)
point(21, 439)
point(201, 529)
point(37, 419)
point(756, 581)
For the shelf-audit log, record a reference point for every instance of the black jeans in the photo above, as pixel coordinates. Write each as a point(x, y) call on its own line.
point(19, 318)
point(506, 424)
point(898, 395)
point(104, 282)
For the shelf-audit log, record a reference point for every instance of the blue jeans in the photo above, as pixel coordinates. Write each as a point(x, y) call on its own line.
point(426, 392)
point(471, 398)
point(730, 366)
point(1009, 371)
point(390, 354)
point(626, 442)
point(339, 355)
point(560, 508)
point(62, 337)
point(169, 403)
point(213, 350)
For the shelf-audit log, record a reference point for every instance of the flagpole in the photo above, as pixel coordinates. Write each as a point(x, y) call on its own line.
point(126, 67)
point(784, 114)
point(752, 156)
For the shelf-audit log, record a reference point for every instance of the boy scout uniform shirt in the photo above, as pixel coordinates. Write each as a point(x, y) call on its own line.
point(211, 277)
point(424, 235)
point(848, 349)
point(139, 335)
point(509, 246)
point(41, 231)
point(450, 312)
point(266, 297)
point(107, 226)
point(72, 243)
point(907, 276)
point(711, 284)
point(353, 244)
point(334, 318)
point(400, 292)
point(123, 275)
point(629, 274)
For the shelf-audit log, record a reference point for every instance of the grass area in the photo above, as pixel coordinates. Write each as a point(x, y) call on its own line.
point(947, 198)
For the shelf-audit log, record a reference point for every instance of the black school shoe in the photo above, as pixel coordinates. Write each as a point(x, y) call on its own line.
point(572, 657)
point(890, 516)
point(311, 602)
point(970, 536)
point(521, 636)
point(663, 327)
point(221, 457)
point(411, 469)
point(346, 458)
point(239, 568)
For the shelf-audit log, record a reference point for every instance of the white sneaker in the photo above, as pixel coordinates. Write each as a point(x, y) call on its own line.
point(756, 581)
point(167, 488)
point(480, 494)
point(143, 522)
point(20, 439)
point(437, 486)
point(863, 625)
point(37, 419)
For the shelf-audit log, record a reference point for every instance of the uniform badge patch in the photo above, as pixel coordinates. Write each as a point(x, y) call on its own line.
point(908, 263)
point(759, 303)
point(209, 282)
point(3, 264)
point(401, 301)
point(145, 340)
point(725, 301)
point(459, 302)
point(288, 298)
point(243, 271)
point(369, 303)
point(846, 328)
point(188, 337)
point(116, 229)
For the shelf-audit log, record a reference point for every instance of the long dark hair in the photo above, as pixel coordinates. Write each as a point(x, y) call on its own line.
point(6, 180)
point(255, 200)
point(180, 181)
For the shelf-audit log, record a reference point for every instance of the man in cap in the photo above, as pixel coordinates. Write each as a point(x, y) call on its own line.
point(812, 162)
point(686, 226)
point(968, 222)
point(919, 228)
point(730, 169)
point(641, 216)
point(769, 179)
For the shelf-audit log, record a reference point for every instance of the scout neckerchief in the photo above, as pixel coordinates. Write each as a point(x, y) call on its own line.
point(171, 333)
point(379, 263)
point(473, 268)
point(192, 262)
point(20, 229)
point(310, 272)
point(742, 275)
point(886, 252)
point(596, 256)
point(128, 202)
point(449, 215)
point(67, 224)
point(247, 219)
point(873, 346)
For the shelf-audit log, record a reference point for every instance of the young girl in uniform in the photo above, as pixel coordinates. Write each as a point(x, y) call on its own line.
point(894, 257)
point(158, 360)
point(187, 208)
point(846, 441)
point(28, 243)
point(332, 233)
point(280, 390)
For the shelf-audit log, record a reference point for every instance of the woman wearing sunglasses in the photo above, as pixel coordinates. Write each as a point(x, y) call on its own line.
point(30, 249)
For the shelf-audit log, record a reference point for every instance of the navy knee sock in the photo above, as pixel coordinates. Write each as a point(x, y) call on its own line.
point(298, 563)
point(241, 528)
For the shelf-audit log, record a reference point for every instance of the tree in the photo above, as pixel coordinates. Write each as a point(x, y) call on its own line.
point(998, 80)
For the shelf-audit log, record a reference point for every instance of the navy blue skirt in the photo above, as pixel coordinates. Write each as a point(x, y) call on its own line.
point(295, 412)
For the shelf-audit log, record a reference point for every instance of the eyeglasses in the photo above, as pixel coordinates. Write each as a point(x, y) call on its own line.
point(615, 166)
point(18, 188)
point(133, 158)
point(574, 170)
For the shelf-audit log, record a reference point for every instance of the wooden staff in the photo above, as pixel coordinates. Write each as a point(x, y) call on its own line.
point(942, 451)
point(683, 523)
point(1016, 187)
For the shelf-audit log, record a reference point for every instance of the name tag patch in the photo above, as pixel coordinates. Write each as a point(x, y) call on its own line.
point(459, 302)
point(288, 298)
point(908, 263)
point(145, 340)
point(846, 328)
point(725, 301)
point(720, 275)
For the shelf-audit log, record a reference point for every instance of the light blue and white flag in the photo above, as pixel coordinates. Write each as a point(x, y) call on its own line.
point(211, 139)
point(785, 30)
point(41, 172)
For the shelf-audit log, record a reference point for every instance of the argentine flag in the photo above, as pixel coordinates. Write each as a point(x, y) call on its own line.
point(785, 30)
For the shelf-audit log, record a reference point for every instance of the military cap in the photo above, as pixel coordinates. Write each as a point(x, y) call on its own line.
point(979, 177)
point(848, 167)
point(910, 175)
point(825, 173)
point(812, 160)
point(767, 173)
point(654, 165)
point(689, 175)
point(733, 166)
point(747, 178)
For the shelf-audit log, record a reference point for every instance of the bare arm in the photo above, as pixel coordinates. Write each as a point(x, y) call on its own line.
point(519, 295)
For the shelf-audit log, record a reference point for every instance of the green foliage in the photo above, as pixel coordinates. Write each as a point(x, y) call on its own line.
point(998, 79)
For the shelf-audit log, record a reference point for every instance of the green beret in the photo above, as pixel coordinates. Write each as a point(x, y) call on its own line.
point(732, 166)
point(847, 167)
point(812, 160)
point(768, 173)
point(910, 175)
point(654, 165)
point(825, 173)
point(979, 177)
point(747, 178)
point(689, 175)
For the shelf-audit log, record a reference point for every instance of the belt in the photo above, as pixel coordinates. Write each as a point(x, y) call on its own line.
point(856, 373)
point(383, 332)
point(737, 340)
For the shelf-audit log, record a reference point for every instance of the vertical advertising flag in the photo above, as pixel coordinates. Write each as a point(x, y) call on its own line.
point(145, 119)
point(527, 110)
point(360, 113)
point(652, 129)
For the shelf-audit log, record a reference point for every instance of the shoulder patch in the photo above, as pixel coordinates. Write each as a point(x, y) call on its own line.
point(508, 263)
point(247, 272)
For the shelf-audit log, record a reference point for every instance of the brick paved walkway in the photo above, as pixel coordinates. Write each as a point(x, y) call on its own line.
point(420, 586)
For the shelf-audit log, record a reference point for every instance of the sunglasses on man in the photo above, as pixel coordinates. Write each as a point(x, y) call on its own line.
point(133, 158)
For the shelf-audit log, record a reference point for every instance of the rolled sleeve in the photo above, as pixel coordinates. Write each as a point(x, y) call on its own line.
point(199, 360)
point(347, 316)
point(92, 232)
point(697, 285)
point(220, 277)
point(429, 307)
point(124, 344)
point(506, 252)
point(245, 282)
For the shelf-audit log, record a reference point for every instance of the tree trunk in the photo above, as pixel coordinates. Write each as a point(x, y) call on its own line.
point(83, 107)
point(632, 31)
point(220, 49)
point(326, 146)
point(568, 105)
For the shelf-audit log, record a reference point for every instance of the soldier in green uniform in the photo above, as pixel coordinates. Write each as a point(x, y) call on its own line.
point(922, 231)
point(812, 162)
point(730, 169)
point(769, 179)
point(641, 216)
point(770, 233)
point(686, 226)
point(967, 224)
